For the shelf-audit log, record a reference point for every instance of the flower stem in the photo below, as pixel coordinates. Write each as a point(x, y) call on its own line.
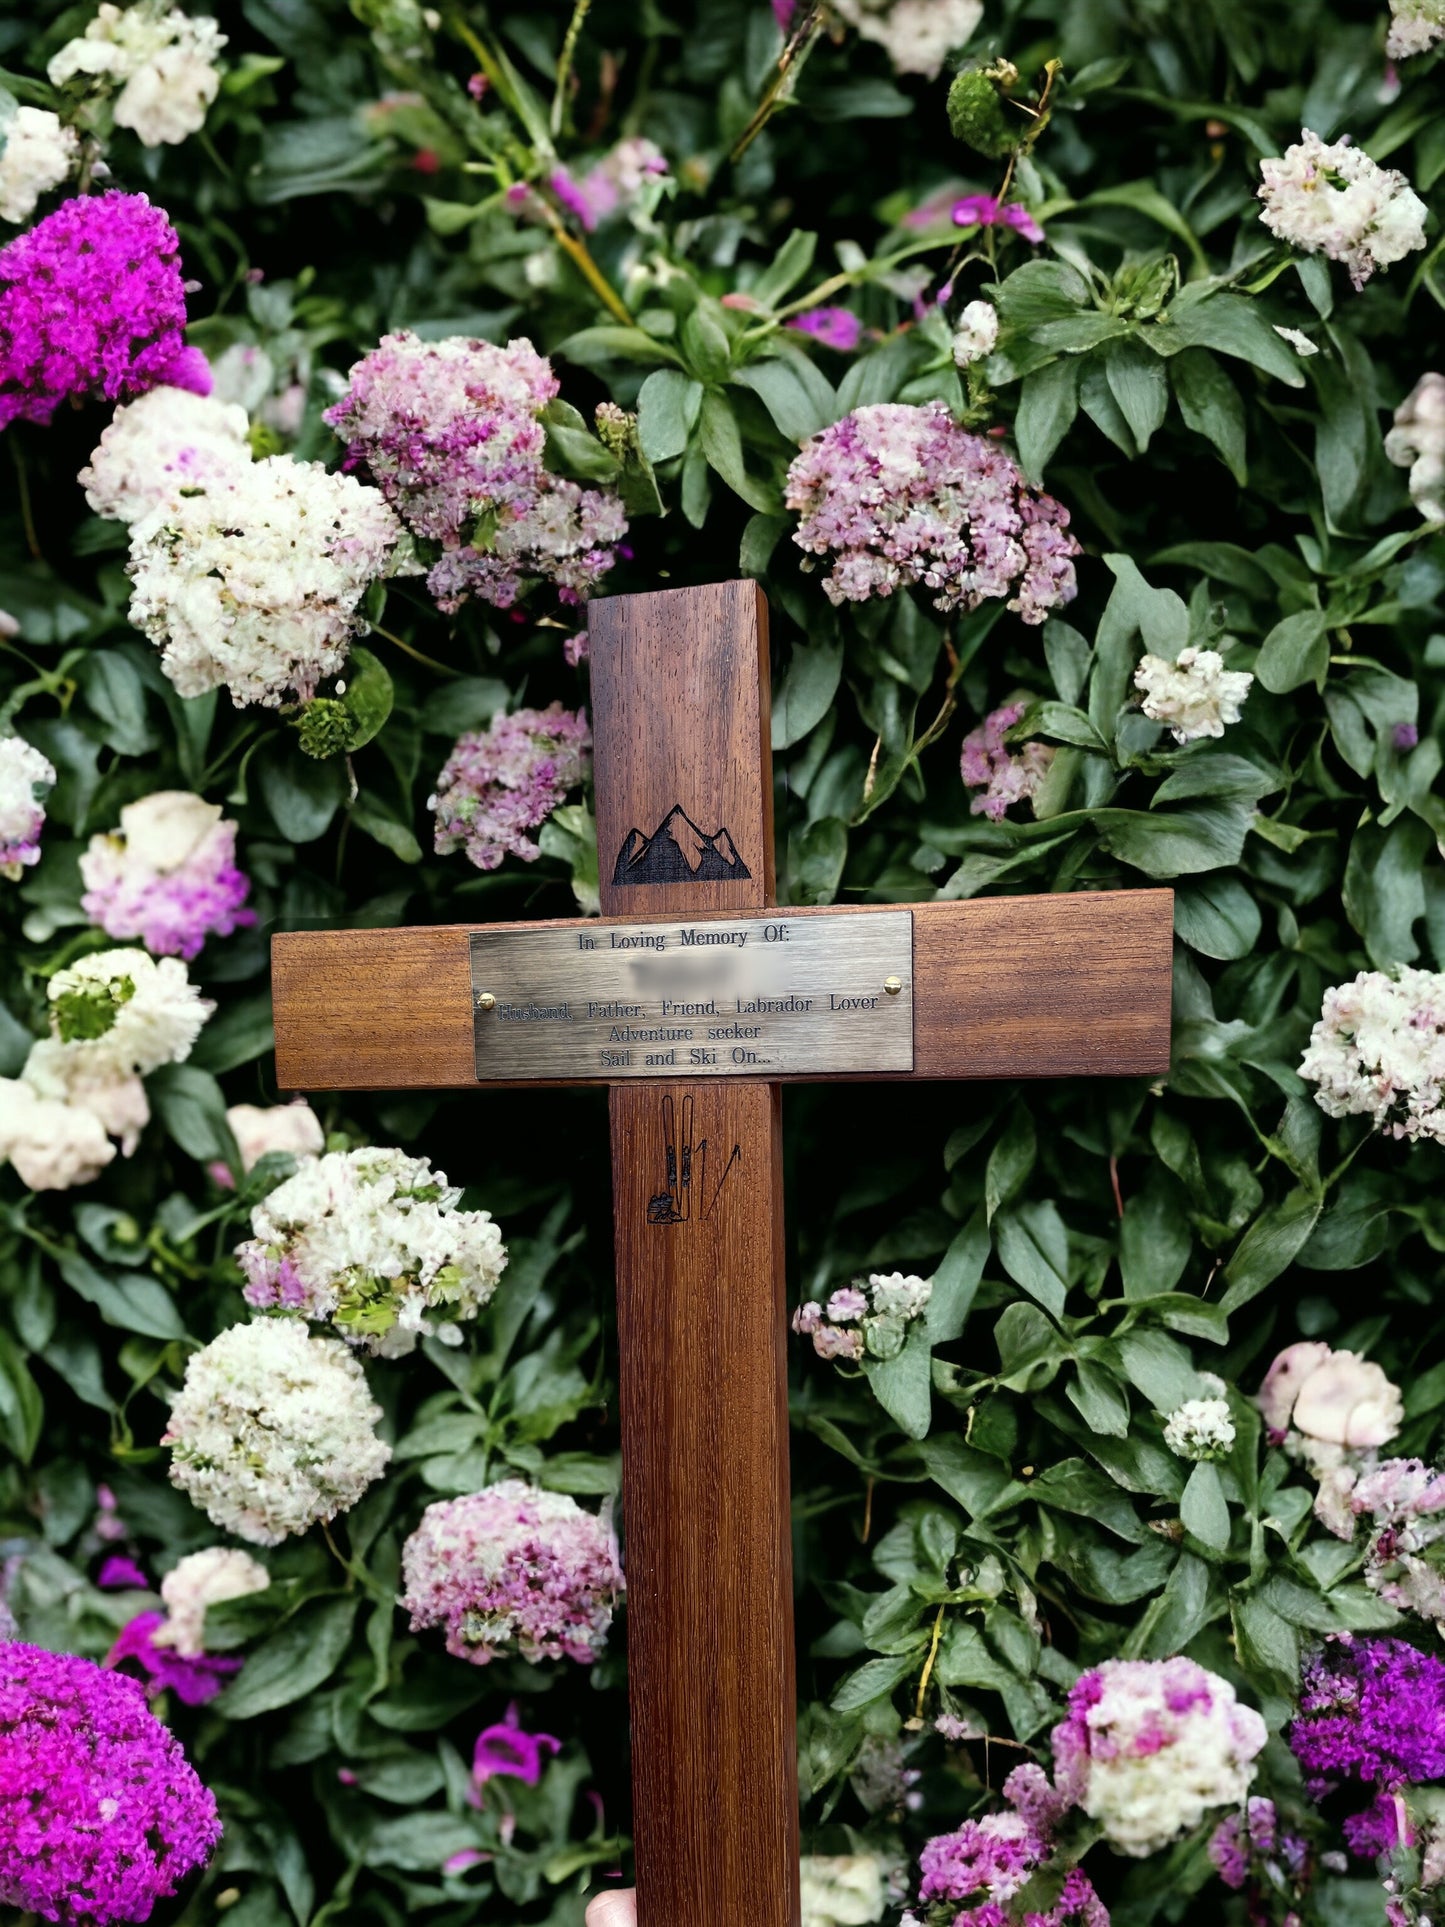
point(27, 516)
point(577, 253)
point(928, 1665)
point(795, 52)
point(564, 62)
point(429, 662)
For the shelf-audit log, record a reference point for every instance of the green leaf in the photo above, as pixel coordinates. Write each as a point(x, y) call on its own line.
point(1138, 383)
point(1295, 651)
point(1269, 1245)
point(1033, 1248)
point(368, 815)
point(872, 1681)
point(115, 691)
point(1010, 1161)
point(238, 1034)
point(301, 793)
point(1048, 403)
point(296, 1660)
point(1154, 1240)
point(816, 856)
point(1211, 405)
point(722, 446)
point(470, 702)
point(668, 405)
point(21, 1407)
point(786, 269)
point(796, 411)
point(189, 1103)
point(1099, 1399)
point(596, 347)
point(369, 696)
point(1173, 843)
point(706, 344)
point(128, 1299)
point(805, 695)
point(956, 1281)
point(1232, 325)
point(1203, 1509)
point(1217, 917)
point(902, 1384)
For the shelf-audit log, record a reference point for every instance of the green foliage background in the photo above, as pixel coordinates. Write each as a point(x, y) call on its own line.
point(1095, 1247)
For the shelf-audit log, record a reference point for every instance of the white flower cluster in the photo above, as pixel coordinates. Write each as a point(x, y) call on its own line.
point(916, 35)
point(843, 1890)
point(23, 771)
point(162, 60)
point(1417, 442)
point(1330, 198)
point(872, 1316)
point(115, 1016)
point(39, 152)
point(1200, 1428)
point(976, 334)
point(274, 1430)
point(200, 1580)
point(372, 1241)
point(1378, 1051)
point(1195, 694)
point(262, 1128)
point(1415, 26)
point(1150, 1746)
point(167, 439)
point(255, 580)
point(1331, 1411)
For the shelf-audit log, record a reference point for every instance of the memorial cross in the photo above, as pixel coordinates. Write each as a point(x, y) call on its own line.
point(694, 1006)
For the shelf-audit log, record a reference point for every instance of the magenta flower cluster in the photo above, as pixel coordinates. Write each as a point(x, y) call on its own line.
point(986, 765)
point(504, 780)
point(987, 1862)
point(101, 1814)
point(898, 496)
point(1370, 1711)
point(93, 303)
point(193, 1680)
point(450, 432)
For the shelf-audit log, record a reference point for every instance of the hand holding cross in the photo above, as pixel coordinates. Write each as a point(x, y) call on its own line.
point(1054, 986)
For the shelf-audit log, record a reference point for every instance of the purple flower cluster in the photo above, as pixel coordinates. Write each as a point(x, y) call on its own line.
point(513, 1568)
point(450, 432)
point(612, 185)
point(986, 764)
point(1371, 1711)
point(1251, 1850)
point(504, 780)
point(168, 876)
point(836, 328)
point(101, 1814)
point(508, 1751)
point(900, 496)
point(193, 1680)
point(92, 302)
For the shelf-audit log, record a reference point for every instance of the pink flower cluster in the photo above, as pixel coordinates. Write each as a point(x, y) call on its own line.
point(92, 302)
point(450, 432)
point(900, 496)
point(513, 1568)
point(613, 184)
point(987, 765)
point(167, 876)
point(504, 780)
point(1250, 1849)
point(101, 1814)
point(988, 1861)
point(1404, 1502)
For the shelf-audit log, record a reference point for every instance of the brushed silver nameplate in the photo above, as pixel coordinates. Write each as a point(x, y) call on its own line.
point(750, 996)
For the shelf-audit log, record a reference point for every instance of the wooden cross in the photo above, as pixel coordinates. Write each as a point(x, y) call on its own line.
point(1003, 988)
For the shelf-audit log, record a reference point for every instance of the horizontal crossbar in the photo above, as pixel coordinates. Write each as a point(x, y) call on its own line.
point(1004, 987)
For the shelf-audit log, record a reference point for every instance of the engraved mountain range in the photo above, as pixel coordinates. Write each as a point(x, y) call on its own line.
point(678, 852)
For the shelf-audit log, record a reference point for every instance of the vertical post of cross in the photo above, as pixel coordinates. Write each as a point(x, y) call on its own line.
point(684, 824)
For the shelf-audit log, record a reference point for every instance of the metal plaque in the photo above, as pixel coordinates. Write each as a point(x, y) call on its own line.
point(749, 996)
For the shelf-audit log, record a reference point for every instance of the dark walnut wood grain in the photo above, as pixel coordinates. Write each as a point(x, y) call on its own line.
point(683, 761)
point(680, 712)
point(1056, 986)
point(697, 1189)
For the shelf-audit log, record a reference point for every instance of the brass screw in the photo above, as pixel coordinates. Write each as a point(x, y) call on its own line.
point(893, 985)
point(485, 1000)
